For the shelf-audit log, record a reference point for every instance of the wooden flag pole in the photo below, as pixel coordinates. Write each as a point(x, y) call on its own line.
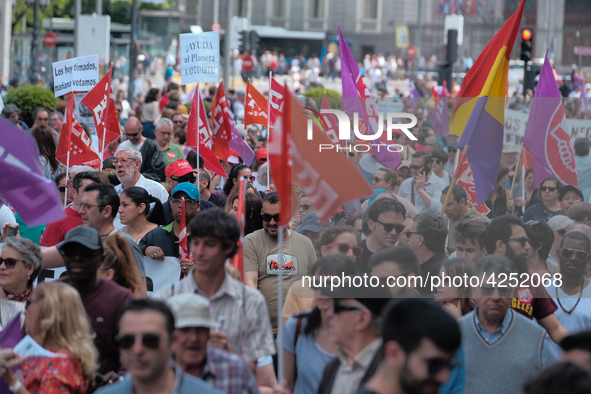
point(517, 165)
point(452, 184)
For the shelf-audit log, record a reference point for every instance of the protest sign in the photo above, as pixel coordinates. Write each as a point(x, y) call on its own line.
point(78, 74)
point(200, 57)
point(160, 274)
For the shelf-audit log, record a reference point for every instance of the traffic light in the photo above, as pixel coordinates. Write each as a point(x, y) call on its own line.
point(526, 45)
point(243, 41)
point(254, 40)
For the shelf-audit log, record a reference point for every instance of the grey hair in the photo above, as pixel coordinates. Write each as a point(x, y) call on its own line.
point(163, 121)
point(31, 254)
point(133, 153)
point(78, 169)
point(59, 115)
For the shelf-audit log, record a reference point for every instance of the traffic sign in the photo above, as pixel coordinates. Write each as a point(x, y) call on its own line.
point(50, 39)
point(216, 26)
point(411, 52)
point(247, 63)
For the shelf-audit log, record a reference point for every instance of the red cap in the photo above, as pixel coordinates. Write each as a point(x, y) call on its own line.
point(262, 155)
point(178, 168)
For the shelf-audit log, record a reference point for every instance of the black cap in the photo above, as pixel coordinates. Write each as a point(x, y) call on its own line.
point(570, 188)
point(85, 236)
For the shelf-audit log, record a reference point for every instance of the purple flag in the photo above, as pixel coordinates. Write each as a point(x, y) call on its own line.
point(9, 337)
point(546, 135)
point(354, 90)
point(22, 180)
point(238, 144)
point(440, 117)
point(413, 96)
point(484, 136)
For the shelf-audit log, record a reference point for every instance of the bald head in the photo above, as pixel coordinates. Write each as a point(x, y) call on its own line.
point(133, 130)
point(134, 121)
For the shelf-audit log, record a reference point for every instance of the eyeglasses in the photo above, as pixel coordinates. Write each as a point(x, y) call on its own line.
point(178, 122)
point(415, 167)
point(548, 188)
point(267, 217)
point(504, 292)
point(305, 207)
point(10, 262)
point(409, 233)
point(579, 254)
point(561, 232)
point(62, 189)
point(123, 161)
point(435, 365)
point(149, 340)
point(42, 119)
point(339, 307)
point(388, 227)
point(87, 206)
point(177, 201)
point(344, 248)
point(376, 179)
point(522, 240)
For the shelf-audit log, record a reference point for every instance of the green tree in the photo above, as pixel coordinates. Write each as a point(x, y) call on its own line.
point(28, 98)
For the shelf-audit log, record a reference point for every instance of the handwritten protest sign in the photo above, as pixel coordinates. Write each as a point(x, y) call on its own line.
point(200, 57)
point(79, 74)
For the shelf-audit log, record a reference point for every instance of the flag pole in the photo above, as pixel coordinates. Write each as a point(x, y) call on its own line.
point(67, 172)
point(517, 165)
point(269, 134)
point(452, 184)
point(280, 304)
point(198, 119)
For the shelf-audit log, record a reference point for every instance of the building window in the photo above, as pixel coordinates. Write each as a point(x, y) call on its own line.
point(278, 10)
point(242, 4)
point(316, 9)
point(370, 9)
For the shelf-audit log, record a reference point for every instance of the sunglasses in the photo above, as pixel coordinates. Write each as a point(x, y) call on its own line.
point(250, 178)
point(344, 248)
point(190, 179)
point(409, 233)
point(579, 254)
point(388, 227)
point(267, 217)
point(522, 240)
point(415, 167)
point(305, 207)
point(504, 292)
point(62, 189)
point(339, 307)
point(548, 188)
point(149, 340)
point(10, 262)
point(178, 122)
point(131, 135)
point(435, 365)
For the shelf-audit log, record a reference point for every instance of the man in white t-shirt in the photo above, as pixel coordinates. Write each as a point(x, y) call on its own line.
point(127, 162)
point(152, 164)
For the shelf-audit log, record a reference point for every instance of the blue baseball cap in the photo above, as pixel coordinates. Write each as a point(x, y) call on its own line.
point(189, 188)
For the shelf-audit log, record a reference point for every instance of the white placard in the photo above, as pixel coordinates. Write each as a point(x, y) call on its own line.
point(49, 275)
point(79, 74)
point(28, 347)
point(200, 57)
point(160, 274)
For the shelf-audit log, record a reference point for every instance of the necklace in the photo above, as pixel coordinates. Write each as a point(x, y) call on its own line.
point(107, 234)
point(579, 300)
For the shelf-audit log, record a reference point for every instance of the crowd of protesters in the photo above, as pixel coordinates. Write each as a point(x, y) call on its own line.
point(217, 329)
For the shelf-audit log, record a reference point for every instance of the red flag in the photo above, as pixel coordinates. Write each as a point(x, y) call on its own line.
point(276, 101)
point(280, 158)
point(464, 179)
point(527, 159)
point(255, 107)
point(327, 176)
point(76, 141)
point(222, 134)
point(99, 100)
point(331, 124)
point(238, 259)
point(205, 143)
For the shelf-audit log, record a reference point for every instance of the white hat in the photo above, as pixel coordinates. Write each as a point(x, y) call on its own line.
point(190, 310)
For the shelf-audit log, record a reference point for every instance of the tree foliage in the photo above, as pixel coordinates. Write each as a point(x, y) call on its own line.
point(28, 98)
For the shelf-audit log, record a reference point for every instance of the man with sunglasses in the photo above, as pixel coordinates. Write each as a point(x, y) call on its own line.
point(573, 295)
point(385, 222)
point(501, 347)
point(103, 300)
point(151, 166)
point(56, 232)
point(424, 188)
point(261, 258)
point(170, 151)
point(506, 236)
point(427, 238)
point(145, 333)
point(420, 341)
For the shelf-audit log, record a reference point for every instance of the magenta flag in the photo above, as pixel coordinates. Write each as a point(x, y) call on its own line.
point(546, 135)
point(9, 337)
point(440, 117)
point(484, 136)
point(414, 95)
point(356, 99)
point(239, 145)
point(22, 180)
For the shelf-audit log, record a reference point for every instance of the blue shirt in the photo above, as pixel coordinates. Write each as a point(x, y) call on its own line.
point(433, 187)
point(489, 338)
point(539, 212)
point(584, 175)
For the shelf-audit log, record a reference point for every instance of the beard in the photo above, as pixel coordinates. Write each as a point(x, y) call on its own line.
point(519, 261)
point(411, 385)
point(127, 176)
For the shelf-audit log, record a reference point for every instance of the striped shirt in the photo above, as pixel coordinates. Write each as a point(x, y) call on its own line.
point(247, 324)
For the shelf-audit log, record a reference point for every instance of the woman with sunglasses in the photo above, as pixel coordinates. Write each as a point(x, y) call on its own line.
point(308, 344)
point(550, 206)
point(56, 320)
point(500, 201)
point(234, 177)
point(304, 207)
point(333, 241)
point(20, 262)
point(136, 215)
point(385, 179)
point(61, 182)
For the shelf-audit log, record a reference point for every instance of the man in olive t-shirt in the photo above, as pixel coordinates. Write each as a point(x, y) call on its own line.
point(261, 257)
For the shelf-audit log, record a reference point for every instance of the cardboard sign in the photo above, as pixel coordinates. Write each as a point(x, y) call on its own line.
point(79, 74)
point(200, 57)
